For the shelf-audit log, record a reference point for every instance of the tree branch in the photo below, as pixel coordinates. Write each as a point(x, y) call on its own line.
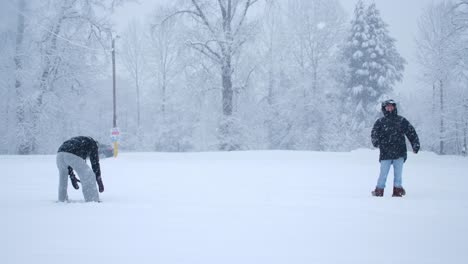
point(206, 50)
point(248, 4)
point(223, 9)
point(203, 17)
point(175, 14)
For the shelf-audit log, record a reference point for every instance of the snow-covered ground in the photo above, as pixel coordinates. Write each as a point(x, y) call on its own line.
point(259, 207)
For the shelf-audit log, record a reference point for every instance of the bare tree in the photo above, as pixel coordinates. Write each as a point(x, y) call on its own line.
point(168, 57)
point(273, 29)
point(73, 26)
point(50, 62)
point(460, 19)
point(23, 130)
point(224, 31)
point(165, 51)
point(317, 30)
point(133, 56)
point(318, 26)
point(438, 55)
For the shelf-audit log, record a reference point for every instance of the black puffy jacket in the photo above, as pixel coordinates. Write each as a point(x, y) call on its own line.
point(84, 147)
point(388, 134)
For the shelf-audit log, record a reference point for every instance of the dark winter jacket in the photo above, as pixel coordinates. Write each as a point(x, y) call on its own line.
point(84, 147)
point(388, 134)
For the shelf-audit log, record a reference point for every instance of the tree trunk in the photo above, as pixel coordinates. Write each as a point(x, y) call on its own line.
point(227, 127)
point(465, 147)
point(164, 89)
point(224, 35)
point(137, 85)
point(442, 128)
point(270, 100)
point(227, 91)
point(457, 138)
point(49, 68)
point(465, 130)
point(227, 130)
point(433, 98)
point(315, 79)
point(23, 130)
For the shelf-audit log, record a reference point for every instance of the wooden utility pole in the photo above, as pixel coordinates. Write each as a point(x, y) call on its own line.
point(113, 83)
point(115, 133)
point(465, 130)
point(442, 116)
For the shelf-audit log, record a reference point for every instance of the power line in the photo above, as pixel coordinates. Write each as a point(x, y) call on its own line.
point(58, 36)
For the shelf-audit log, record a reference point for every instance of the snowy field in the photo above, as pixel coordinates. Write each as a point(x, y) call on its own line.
point(261, 207)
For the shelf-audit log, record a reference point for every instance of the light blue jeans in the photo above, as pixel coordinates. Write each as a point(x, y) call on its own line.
point(87, 177)
point(397, 172)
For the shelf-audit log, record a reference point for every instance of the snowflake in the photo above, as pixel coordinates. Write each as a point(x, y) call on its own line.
point(321, 25)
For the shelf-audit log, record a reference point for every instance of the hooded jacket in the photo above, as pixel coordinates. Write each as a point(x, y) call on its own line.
point(388, 134)
point(84, 147)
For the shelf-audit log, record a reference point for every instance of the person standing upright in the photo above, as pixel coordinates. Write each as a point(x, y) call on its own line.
point(388, 134)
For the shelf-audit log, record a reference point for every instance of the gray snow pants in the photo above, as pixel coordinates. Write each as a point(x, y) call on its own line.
point(86, 174)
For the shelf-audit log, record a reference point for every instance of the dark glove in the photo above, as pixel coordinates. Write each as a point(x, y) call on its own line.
point(74, 180)
point(100, 184)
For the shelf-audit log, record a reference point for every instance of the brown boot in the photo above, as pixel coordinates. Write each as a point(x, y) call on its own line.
point(378, 192)
point(398, 192)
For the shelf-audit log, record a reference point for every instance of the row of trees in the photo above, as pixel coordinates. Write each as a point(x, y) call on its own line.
point(51, 60)
point(246, 74)
point(206, 75)
point(443, 59)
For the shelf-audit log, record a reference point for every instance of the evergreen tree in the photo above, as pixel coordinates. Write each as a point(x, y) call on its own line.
point(374, 67)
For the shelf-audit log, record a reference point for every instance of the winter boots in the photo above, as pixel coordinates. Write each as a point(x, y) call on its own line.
point(378, 192)
point(398, 192)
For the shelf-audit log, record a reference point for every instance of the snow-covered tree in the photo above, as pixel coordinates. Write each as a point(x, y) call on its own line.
point(7, 75)
point(57, 56)
point(173, 102)
point(222, 29)
point(375, 66)
point(318, 28)
point(460, 19)
point(270, 74)
point(23, 129)
point(441, 54)
point(133, 55)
